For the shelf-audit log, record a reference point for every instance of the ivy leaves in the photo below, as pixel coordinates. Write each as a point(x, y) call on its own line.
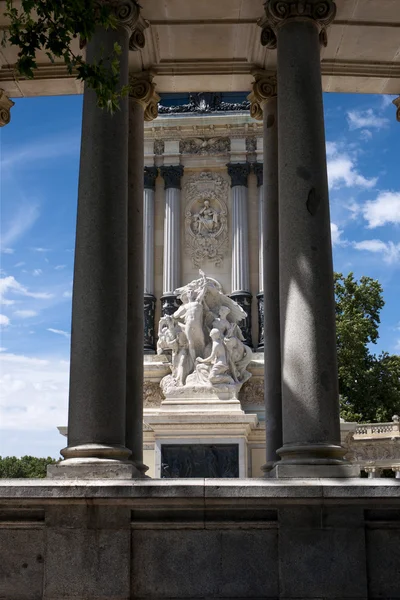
point(51, 26)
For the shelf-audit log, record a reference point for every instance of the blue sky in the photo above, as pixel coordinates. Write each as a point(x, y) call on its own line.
point(39, 160)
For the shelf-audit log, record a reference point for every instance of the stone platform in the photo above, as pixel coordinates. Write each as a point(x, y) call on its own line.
point(199, 538)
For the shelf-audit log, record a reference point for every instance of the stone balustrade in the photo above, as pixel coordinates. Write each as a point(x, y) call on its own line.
point(372, 431)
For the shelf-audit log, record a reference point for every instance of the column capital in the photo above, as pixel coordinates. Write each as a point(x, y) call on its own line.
point(396, 102)
point(279, 12)
point(150, 176)
point(5, 105)
point(128, 16)
point(238, 173)
point(264, 88)
point(172, 175)
point(143, 90)
point(258, 169)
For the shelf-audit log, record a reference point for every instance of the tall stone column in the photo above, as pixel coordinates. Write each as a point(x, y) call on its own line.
point(239, 173)
point(143, 101)
point(264, 106)
point(310, 399)
point(150, 176)
point(258, 171)
point(97, 401)
point(172, 176)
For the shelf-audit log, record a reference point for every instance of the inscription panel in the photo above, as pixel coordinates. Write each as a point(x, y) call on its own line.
point(199, 460)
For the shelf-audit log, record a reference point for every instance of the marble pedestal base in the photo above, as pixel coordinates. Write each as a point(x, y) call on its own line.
point(282, 471)
point(75, 468)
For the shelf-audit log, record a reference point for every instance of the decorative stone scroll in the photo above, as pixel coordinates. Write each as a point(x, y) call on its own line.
point(396, 102)
point(264, 88)
point(206, 222)
point(278, 12)
point(209, 357)
point(205, 146)
point(5, 105)
point(128, 15)
point(143, 90)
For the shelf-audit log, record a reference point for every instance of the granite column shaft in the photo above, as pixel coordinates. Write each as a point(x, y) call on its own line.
point(96, 418)
point(172, 236)
point(240, 279)
point(311, 430)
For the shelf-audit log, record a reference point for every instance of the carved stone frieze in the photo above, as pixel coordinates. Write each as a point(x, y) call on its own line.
point(143, 90)
point(152, 394)
point(159, 147)
point(252, 392)
point(204, 146)
point(5, 105)
point(206, 218)
point(372, 451)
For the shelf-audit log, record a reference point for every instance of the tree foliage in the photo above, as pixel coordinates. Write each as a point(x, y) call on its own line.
point(51, 26)
point(369, 385)
point(12, 467)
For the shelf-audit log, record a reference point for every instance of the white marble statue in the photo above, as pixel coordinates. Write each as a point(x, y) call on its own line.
point(205, 340)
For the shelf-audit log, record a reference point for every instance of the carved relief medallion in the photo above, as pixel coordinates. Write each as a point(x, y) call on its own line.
point(206, 223)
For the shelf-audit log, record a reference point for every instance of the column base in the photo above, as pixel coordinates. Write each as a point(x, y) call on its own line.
point(94, 452)
point(284, 471)
point(76, 468)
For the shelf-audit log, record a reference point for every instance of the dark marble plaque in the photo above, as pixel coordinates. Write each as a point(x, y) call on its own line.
point(199, 460)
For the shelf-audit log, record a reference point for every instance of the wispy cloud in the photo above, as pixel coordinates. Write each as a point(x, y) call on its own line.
point(4, 321)
point(11, 285)
point(59, 332)
point(8, 250)
point(59, 267)
point(389, 250)
point(21, 221)
point(37, 272)
point(25, 314)
point(44, 150)
point(366, 119)
point(342, 170)
point(383, 210)
point(336, 235)
point(40, 249)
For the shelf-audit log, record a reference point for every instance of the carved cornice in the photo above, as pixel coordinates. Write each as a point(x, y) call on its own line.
point(238, 172)
point(5, 106)
point(150, 176)
point(143, 90)
point(264, 88)
point(172, 176)
point(278, 12)
point(396, 102)
point(258, 169)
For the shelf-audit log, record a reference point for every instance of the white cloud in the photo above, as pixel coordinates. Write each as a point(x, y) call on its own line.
point(19, 264)
point(4, 321)
point(365, 134)
point(41, 249)
point(67, 294)
point(389, 250)
point(41, 150)
point(386, 100)
point(10, 284)
point(336, 234)
point(25, 314)
point(2, 349)
point(59, 332)
point(8, 251)
point(37, 272)
point(60, 267)
point(342, 171)
point(33, 392)
point(362, 119)
point(384, 209)
point(18, 225)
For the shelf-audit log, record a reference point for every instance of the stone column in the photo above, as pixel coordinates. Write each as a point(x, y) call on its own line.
point(97, 401)
point(264, 106)
point(310, 399)
point(258, 171)
point(142, 106)
point(5, 108)
point(239, 173)
point(172, 176)
point(150, 176)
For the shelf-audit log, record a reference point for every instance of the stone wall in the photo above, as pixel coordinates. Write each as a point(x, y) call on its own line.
point(196, 539)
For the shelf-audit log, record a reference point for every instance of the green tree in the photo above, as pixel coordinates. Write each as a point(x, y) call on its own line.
point(369, 385)
point(12, 467)
point(50, 26)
